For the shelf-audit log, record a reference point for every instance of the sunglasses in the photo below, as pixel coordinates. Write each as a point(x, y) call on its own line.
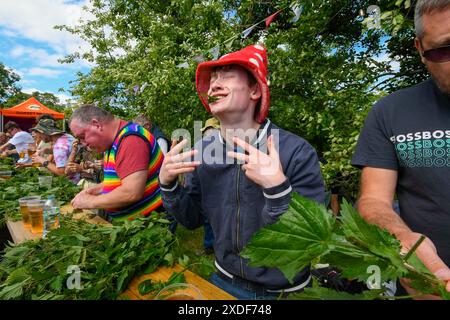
point(438, 55)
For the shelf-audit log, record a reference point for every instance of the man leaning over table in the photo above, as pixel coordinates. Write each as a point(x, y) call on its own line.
point(132, 160)
point(18, 143)
point(61, 143)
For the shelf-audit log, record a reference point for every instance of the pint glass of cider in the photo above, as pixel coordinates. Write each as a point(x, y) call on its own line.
point(36, 212)
point(23, 203)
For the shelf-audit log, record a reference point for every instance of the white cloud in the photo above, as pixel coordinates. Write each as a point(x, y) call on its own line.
point(35, 57)
point(39, 57)
point(8, 33)
point(35, 19)
point(43, 72)
point(42, 58)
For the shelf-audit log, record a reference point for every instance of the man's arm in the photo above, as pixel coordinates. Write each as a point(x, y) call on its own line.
point(375, 206)
point(95, 189)
point(3, 147)
point(375, 201)
point(54, 169)
point(51, 165)
point(11, 152)
point(130, 191)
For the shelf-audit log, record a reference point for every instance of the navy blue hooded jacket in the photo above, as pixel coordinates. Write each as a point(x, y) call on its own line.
point(236, 207)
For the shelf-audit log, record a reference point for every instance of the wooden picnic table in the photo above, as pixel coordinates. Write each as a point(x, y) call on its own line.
point(207, 289)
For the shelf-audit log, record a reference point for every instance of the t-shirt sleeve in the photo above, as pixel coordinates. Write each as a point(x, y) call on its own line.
point(133, 156)
point(374, 147)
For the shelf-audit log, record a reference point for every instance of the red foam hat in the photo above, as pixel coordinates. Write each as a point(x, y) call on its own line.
point(253, 58)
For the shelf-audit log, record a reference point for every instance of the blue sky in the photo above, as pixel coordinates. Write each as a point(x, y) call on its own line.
point(31, 47)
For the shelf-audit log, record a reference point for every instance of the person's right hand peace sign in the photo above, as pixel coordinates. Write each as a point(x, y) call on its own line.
point(174, 164)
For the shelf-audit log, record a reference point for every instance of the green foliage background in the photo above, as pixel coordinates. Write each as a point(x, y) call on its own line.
point(324, 70)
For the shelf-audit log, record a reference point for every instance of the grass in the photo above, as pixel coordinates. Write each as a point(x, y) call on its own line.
point(190, 252)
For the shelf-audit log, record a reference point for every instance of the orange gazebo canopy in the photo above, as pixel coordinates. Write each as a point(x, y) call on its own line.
point(30, 108)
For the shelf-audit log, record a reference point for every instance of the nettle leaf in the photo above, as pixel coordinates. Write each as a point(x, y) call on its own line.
point(146, 287)
point(16, 251)
point(38, 269)
point(307, 233)
point(121, 281)
point(301, 235)
point(57, 283)
point(355, 262)
point(176, 277)
point(14, 291)
point(353, 268)
point(417, 264)
point(423, 280)
point(169, 259)
point(16, 276)
point(378, 241)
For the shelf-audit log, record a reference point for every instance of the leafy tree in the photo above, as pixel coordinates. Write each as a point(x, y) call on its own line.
point(8, 83)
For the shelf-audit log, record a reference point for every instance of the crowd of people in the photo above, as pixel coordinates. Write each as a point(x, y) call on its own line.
point(47, 146)
point(247, 182)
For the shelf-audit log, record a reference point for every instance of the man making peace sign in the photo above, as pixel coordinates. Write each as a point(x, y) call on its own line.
point(240, 178)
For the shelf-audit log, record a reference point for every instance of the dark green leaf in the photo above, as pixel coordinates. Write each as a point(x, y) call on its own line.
point(303, 234)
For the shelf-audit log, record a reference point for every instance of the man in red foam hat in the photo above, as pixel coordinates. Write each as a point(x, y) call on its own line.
point(241, 178)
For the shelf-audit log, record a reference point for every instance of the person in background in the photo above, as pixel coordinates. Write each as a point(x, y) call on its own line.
point(211, 125)
point(38, 142)
point(82, 161)
point(131, 164)
point(403, 150)
point(20, 141)
point(43, 148)
point(3, 138)
point(162, 140)
point(62, 146)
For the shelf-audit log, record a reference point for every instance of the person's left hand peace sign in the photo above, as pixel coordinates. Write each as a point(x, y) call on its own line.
point(263, 169)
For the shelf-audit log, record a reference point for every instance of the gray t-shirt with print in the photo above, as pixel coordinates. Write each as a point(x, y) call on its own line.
point(409, 131)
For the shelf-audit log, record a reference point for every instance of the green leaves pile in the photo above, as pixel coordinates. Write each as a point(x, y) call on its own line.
point(108, 257)
point(25, 183)
point(308, 234)
point(148, 286)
